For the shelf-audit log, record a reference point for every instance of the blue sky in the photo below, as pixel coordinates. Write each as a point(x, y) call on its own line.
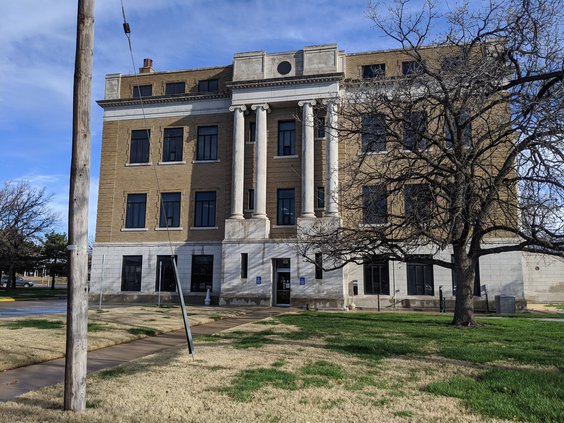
point(37, 46)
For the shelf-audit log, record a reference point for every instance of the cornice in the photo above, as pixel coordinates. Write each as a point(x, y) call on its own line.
point(293, 80)
point(163, 99)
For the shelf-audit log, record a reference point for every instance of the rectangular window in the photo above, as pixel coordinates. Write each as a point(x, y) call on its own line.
point(466, 126)
point(251, 202)
point(414, 130)
point(166, 281)
point(320, 197)
point(207, 143)
point(140, 91)
point(202, 273)
point(373, 133)
point(170, 210)
point(208, 85)
point(375, 204)
point(139, 149)
point(136, 210)
point(320, 127)
point(412, 67)
point(204, 216)
point(477, 286)
point(175, 88)
point(131, 273)
point(373, 71)
point(318, 266)
point(417, 203)
point(287, 138)
point(244, 265)
point(419, 277)
point(172, 145)
point(376, 276)
point(286, 207)
point(252, 131)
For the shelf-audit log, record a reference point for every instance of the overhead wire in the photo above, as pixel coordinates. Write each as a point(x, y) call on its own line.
point(127, 32)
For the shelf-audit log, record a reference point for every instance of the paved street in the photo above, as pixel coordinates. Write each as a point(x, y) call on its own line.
point(29, 308)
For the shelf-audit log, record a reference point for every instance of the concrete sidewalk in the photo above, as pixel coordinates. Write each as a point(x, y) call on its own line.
point(24, 379)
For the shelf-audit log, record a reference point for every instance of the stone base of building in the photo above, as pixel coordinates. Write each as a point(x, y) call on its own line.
point(166, 298)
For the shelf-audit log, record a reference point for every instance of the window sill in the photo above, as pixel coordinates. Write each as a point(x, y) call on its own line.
point(248, 210)
point(203, 228)
point(169, 229)
point(250, 142)
point(284, 226)
point(295, 156)
point(134, 229)
point(373, 225)
point(172, 163)
point(319, 138)
point(373, 153)
point(138, 164)
point(205, 161)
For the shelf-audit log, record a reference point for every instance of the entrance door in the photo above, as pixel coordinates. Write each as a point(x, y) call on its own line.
point(282, 288)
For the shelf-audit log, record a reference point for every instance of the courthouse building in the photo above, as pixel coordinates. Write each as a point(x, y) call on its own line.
point(220, 167)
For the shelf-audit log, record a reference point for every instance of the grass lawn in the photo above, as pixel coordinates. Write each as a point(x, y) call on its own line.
point(333, 367)
point(28, 340)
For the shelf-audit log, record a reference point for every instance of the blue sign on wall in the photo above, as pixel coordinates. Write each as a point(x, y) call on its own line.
point(259, 280)
point(302, 280)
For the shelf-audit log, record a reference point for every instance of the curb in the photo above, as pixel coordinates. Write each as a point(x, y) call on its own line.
point(6, 300)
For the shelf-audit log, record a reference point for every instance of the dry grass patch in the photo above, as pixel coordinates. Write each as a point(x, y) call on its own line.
point(27, 341)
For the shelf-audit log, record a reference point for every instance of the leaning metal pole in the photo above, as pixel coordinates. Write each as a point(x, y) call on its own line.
point(183, 307)
point(77, 308)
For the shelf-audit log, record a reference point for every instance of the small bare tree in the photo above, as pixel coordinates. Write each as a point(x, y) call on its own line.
point(25, 215)
point(464, 149)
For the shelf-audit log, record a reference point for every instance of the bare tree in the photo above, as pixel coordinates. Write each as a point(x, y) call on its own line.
point(464, 149)
point(55, 254)
point(25, 215)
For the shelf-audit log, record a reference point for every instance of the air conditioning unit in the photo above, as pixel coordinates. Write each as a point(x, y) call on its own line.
point(504, 304)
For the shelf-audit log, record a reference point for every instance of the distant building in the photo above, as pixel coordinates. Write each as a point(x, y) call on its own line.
point(216, 167)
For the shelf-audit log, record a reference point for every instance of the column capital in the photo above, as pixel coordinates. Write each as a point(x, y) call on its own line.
point(263, 106)
point(240, 107)
point(330, 101)
point(311, 102)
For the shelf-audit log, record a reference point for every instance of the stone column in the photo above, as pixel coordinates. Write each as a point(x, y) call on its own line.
point(260, 153)
point(332, 196)
point(238, 161)
point(308, 187)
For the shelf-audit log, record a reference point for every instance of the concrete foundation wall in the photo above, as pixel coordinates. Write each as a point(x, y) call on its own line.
point(543, 278)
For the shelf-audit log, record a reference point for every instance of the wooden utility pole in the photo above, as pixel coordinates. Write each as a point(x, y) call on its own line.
point(77, 309)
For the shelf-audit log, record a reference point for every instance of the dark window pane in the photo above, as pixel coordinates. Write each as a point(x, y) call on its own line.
point(172, 145)
point(252, 132)
point(320, 127)
point(320, 197)
point(244, 265)
point(251, 203)
point(166, 282)
point(414, 129)
point(131, 273)
point(142, 91)
point(205, 209)
point(174, 88)
point(286, 138)
point(418, 202)
point(373, 71)
point(207, 143)
point(411, 67)
point(286, 207)
point(419, 278)
point(136, 210)
point(318, 266)
point(139, 149)
point(376, 277)
point(202, 273)
point(373, 133)
point(170, 210)
point(375, 204)
point(208, 85)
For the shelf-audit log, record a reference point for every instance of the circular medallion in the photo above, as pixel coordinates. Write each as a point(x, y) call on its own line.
point(284, 68)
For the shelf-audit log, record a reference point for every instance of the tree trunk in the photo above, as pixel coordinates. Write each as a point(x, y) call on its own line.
point(464, 268)
point(12, 276)
point(53, 273)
